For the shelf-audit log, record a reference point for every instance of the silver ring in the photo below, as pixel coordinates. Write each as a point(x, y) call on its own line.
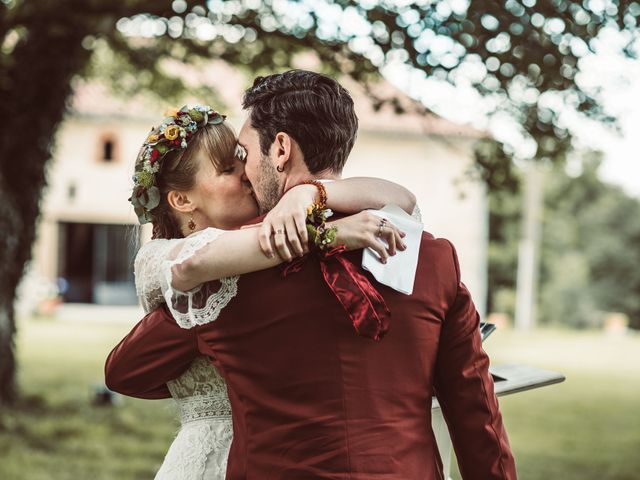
point(279, 231)
point(381, 225)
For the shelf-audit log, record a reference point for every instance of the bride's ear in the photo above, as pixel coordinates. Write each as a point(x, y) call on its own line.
point(180, 201)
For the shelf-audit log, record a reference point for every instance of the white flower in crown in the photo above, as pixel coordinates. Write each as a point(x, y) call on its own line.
point(186, 120)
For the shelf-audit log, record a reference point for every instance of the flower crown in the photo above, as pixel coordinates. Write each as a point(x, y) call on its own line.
point(173, 134)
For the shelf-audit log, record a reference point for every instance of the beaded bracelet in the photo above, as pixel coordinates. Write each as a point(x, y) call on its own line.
point(322, 192)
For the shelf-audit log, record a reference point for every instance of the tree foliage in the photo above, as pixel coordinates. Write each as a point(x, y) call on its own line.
point(590, 249)
point(589, 254)
point(516, 50)
point(505, 209)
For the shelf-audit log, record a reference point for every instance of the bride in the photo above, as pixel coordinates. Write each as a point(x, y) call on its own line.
point(189, 183)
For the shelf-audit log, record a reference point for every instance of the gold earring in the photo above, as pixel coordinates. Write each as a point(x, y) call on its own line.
point(191, 224)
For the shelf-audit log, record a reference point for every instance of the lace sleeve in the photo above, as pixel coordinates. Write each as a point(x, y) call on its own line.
point(148, 272)
point(416, 214)
point(197, 306)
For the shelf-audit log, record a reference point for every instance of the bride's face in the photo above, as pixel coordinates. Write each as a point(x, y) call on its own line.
point(222, 199)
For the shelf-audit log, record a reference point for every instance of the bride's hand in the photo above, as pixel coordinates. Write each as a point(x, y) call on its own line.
point(365, 230)
point(287, 223)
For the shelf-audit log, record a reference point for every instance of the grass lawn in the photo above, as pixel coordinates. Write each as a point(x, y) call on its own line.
point(587, 428)
point(56, 433)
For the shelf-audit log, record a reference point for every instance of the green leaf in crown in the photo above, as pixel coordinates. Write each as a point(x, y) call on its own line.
point(216, 119)
point(196, 115)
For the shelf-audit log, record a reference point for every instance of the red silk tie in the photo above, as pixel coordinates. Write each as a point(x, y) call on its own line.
point(363, 304)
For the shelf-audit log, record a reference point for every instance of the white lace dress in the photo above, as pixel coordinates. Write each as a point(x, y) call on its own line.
point(201, 447)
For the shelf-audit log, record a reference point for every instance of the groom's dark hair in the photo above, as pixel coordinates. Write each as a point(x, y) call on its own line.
point(312, 108)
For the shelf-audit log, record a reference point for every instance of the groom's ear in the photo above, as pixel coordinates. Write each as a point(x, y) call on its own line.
point(282, 148)
point(180, 201)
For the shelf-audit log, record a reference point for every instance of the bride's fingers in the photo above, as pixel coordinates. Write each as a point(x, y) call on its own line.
point(292, 237)
point(399, 239)
point(301, 226)
point(389, 237)
point(264, 239)
point(280, 241)
point(393, 237)
point(378, 247)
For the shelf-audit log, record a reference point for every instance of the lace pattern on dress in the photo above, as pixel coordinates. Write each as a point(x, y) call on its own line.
point(200, 392)
point(198, 306)
point(198, 408)
point(201, 448)
point(199, 451)
point(417, 214)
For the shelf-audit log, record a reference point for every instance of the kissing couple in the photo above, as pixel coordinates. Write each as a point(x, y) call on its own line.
point(286, 358)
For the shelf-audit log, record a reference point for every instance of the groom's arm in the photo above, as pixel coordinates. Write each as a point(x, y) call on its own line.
point(155, 351)
point(464, 388)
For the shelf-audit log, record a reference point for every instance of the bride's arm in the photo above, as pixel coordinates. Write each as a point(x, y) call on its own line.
point(241, 251)
point(233, 253)
point(351, 195)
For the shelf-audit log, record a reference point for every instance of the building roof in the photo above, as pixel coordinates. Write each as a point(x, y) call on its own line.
point(417, 119)
point(94, 98)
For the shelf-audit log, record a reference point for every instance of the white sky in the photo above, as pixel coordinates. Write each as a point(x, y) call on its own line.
point(619, 79)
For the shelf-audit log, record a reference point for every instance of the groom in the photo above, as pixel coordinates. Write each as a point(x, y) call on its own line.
point(311, 399)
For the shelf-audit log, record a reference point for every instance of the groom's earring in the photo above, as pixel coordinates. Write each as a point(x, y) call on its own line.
point(191, 224)
point(279, 168)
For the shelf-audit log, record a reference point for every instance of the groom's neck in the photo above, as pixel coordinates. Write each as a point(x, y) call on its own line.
point(326, 175)
point(294, 180)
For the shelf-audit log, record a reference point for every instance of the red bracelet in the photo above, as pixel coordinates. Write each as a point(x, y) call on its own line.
point(322, 192)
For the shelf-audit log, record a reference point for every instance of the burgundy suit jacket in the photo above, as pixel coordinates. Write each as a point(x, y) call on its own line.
point(313, 400)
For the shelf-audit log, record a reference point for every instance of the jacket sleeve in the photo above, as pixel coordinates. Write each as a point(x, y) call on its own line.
point(155, 351)
point(464, 388)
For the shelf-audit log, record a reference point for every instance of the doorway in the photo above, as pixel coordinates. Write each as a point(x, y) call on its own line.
point(95, 263)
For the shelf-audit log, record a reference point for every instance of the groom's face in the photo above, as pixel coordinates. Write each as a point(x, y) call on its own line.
point(260, 169)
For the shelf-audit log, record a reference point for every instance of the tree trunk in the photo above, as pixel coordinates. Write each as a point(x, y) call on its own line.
point(37, 66)
point(7, 358)
point(33, 90)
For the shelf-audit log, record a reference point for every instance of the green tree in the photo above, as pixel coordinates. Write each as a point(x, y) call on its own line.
point(591, 234)
point(525, 48)
point(589, 251)
point(504, 234)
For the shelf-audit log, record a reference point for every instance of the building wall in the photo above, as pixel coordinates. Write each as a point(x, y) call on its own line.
point(433, 168)
point(102, 188)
